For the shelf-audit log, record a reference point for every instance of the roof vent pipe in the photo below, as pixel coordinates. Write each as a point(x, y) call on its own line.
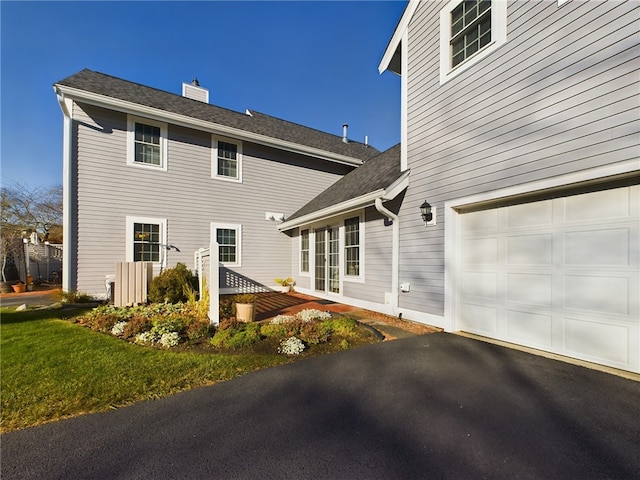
point(344, 133)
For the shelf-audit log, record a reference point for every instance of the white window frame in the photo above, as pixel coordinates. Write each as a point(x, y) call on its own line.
point(361, 245)
point(162, 222)
point(301, 272)
point(498, 37)
point(131, 142)
point(229, 226)
point(214, 158)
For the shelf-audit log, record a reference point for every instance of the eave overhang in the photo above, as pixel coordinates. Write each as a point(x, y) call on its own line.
point(368, 199)
point(391, 59)
point(160, 115)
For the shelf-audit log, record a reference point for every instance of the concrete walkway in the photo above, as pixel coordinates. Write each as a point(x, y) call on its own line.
point(434, 406)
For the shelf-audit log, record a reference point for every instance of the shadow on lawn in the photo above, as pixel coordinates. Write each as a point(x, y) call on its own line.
point(9, 315)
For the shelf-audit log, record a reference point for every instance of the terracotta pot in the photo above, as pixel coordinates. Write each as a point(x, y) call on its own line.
point(19, 288)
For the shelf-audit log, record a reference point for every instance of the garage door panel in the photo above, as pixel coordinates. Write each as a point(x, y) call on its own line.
point(561, 275)
point(532, 289)
point(531, 329)
point(599, 294)
point(480, 251)
point(535, 249)
point(533, 214)
point(603, 205)
point(479, 319)
point(597, 341)
point(480, 284)
point(598, 247)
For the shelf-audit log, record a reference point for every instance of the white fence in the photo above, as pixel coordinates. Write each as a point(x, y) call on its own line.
point(205, 268)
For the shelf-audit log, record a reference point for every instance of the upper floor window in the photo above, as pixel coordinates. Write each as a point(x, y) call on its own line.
point(352, 246)
point(304, 251)
point(469, 31)
point(145, 239)
point(147, 143)
point(227, 159)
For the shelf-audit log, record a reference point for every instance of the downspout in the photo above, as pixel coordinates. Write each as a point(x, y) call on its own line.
point(68, 237)
point(395, 253)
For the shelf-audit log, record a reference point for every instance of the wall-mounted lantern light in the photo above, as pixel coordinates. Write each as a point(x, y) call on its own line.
point(428, 213)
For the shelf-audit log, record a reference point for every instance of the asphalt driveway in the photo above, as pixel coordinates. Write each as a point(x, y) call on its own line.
point(431, 406)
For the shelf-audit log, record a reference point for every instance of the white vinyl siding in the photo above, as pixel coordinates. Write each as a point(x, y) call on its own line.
point(186, 196)
point(147, 143)
point(226, 159)
point(539, 110)
point(146, 239)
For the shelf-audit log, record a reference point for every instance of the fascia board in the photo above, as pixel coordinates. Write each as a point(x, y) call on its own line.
point(393, 190)
point(349, 205)
point(396, 38)
point(388, 193)
point(190, 122)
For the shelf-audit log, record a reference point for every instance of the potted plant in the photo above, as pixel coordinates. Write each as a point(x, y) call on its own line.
point(245, 306)
point(284, 284)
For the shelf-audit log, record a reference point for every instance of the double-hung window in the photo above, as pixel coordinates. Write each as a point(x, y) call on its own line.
point(147, 143)
point(227, 237)
point(352, 246)
point(304, 251)
point(227, 159)
point(469, 31)
point(146, 239)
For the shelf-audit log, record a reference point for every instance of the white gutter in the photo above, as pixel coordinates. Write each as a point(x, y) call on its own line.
point(66, 105)
point(190, 122)
point(388, 193)
point(395, 253)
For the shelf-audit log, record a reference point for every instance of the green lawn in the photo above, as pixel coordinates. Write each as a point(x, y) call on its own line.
point(53, 368)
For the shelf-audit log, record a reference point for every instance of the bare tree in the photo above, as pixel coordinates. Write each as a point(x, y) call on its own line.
point(25, 211)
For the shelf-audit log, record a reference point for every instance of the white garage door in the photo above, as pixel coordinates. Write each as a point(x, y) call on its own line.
point(560, 275)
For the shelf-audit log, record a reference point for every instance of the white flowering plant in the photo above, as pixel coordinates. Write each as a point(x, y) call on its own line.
point(291, 346)
point(170, 339)
point(118, 329)
point(310, 314)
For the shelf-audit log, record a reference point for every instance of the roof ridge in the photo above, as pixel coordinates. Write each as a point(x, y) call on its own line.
point(309, 128)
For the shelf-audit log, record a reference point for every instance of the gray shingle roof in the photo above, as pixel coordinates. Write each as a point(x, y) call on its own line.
point(259, 123)
point(377, 173)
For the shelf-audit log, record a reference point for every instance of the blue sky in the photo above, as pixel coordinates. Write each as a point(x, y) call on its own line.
point(313, 63)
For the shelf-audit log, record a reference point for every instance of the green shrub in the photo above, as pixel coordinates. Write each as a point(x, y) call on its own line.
point(172, 285)
point(174, 323)
point(136, 325)
point(273, 330)
point(313, 333)
point(241, 336)
point(104, 323)
point(225, 309)
point(198, 329)
point(343, 326)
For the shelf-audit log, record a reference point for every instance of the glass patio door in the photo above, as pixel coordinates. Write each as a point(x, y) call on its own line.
point(327, 260)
